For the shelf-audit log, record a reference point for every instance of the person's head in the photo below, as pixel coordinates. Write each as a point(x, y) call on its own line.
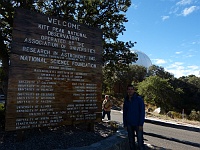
point(106, 96)
point(130, 90)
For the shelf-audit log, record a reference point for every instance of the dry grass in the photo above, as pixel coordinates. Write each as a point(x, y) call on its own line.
point(177, 120)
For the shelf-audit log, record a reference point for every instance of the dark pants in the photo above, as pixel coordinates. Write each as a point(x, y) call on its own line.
point(132, 130)
point(106, 113)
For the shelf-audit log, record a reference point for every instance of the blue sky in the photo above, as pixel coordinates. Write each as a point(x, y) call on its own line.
point(168, 31)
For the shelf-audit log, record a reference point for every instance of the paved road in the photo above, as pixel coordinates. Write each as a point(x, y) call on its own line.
point(166, 138)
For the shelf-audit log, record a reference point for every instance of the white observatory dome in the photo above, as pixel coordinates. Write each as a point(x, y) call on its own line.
point(143, 59)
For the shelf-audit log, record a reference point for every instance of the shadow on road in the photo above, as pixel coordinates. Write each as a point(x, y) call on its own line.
point(173, 139)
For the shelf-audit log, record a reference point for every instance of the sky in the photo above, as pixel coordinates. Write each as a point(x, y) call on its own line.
point(168, 32)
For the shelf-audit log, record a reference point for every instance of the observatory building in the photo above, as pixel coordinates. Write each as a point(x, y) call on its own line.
point(143, 59)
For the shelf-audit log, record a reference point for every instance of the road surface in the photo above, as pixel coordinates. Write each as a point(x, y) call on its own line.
point(166, 138)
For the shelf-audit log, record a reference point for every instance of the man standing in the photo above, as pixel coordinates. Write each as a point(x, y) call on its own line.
point(133, 117)
point(106, 106)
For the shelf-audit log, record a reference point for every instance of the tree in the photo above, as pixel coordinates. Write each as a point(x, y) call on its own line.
point(116, 77)
point(159, 71)
point(192, 79)
point(104, 14)
point(191, 97)
point(6, 16)
point(132, 75)
point(139, 73)
point(122, 77)
point(157, 91)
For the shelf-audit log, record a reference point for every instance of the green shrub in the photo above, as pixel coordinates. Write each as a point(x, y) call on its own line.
point(173, 114)
point(2, 115)
point(177, 115)
point(1, 107)
point(194, 115)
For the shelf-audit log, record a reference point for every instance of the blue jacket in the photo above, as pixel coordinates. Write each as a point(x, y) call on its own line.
point(133, 111)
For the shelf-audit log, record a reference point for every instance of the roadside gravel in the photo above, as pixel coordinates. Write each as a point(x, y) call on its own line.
point(55, 138)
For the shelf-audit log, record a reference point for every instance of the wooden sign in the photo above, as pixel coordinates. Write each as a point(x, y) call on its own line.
point(55, 75)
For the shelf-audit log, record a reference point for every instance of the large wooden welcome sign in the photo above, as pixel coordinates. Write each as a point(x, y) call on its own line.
point(55, 72)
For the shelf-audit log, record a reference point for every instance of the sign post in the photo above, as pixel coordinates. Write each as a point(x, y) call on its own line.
point(55, 72)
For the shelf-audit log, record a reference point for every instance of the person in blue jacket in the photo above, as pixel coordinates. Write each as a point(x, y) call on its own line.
point(133, 117)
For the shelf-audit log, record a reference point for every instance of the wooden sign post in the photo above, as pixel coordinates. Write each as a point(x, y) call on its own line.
point(55, 75)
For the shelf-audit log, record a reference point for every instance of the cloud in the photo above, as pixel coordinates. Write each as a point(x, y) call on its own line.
point(196, 42)
point(184, 2)
point(174, 10)
point(189, 56)
point(159, 61)
point(176, 68)
point(165, 18)
point(184, 7)
point(179, 52)
point(177, 64)
point(179, 69)
point(134, 6)
point(194, 67)
point(189, 10)
point(193, 43)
